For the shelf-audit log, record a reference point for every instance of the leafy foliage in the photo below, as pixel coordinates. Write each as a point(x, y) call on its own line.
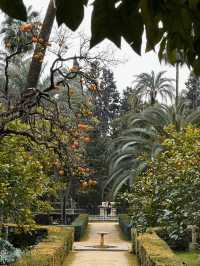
point(130, 101)
point(173, 24)
point(167, 194)
point(106, 106)
point(66, 9)
point(8, 253)
point(145, 132)
point(80, 225)
point(160, 116)
point(192, 92)
point(25, 179)
point(54, 248)
point(14, 9)
point(13, 38)
point(151, 86)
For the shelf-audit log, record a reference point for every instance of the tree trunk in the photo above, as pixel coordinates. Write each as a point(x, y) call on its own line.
point(66, 199)
point(152, 98)
point(36, 65)
point(177, 85)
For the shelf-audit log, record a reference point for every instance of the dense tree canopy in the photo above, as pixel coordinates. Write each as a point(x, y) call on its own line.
point(192, 92)
point(167, 193)
point(26, 174)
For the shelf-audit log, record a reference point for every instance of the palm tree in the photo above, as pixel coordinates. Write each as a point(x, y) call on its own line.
point(151, 86)
point(146, 132)
point(123, 154)
point(161, 116)
point(180, 60)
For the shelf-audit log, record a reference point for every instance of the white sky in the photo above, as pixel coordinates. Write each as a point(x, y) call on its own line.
point(124, 73)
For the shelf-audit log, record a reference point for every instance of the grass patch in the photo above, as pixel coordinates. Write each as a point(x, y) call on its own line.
point(190, 258)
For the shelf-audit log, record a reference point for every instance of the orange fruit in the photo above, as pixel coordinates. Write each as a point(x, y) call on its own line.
point(56, 88)
point(81, 169)
point(61, 172)
point(82, 126)
point(73, 146)
point(87, 170)
point(85, 184)
point(90, 182)
point(94, 183)
point(26, 27)
point(74, 69)
point(87, 139)
point(41, 40)
point(93, 87)
point(34, 39)
point(8, 45)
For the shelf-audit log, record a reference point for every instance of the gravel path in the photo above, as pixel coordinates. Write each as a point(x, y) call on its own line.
point(102, 258)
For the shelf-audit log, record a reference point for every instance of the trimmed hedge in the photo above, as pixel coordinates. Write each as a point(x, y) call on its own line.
point(125, 225)
point(52, 250)
point(151, 250)
point(80, 225)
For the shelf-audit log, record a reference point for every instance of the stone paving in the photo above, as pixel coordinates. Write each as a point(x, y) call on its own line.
point(91, 257)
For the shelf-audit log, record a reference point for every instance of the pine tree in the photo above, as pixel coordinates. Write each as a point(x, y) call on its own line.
point(106, 109)
point(107, 102)
point(193, 91)
point(130, 101)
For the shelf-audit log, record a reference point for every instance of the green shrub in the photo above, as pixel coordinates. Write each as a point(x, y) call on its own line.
point(23, 239)
point(153, 251)
point(125, 225)
point(80, 225)
point(8, 253)
point(52, 250)
point(179, 244)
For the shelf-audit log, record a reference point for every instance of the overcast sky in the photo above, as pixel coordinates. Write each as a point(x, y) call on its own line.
point(133, 65)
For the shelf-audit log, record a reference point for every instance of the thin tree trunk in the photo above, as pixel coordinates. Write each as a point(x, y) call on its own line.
point(36, 65)
point(66, 199)
point(152, 101)
point(196, 93)
point(177, 85)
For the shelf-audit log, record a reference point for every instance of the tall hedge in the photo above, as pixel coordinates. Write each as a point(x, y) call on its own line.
point(125, 225)
point(80, 225)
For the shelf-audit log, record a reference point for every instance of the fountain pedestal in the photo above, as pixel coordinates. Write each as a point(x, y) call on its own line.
point(102, 234)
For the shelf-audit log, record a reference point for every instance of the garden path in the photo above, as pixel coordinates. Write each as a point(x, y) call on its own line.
point(85, 256)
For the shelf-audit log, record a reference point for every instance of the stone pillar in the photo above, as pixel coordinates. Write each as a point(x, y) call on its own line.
point(113, 212)
point(193, 245)
point(102, 211)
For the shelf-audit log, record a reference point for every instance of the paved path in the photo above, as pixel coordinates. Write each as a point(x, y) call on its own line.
point(102, 258)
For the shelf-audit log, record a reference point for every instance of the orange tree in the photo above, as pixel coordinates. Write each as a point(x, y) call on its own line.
point(39, 160)
point(26, 179)
point(57, 119)
point(168, 193)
